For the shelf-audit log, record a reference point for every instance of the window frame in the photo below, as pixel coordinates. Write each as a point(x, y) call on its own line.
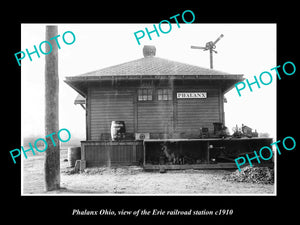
point(145, 94)
point(164, 94)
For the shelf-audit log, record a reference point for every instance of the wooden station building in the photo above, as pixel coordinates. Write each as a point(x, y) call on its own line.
point(166, 106)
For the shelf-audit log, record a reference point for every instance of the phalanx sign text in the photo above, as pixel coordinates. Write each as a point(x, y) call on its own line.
point(191, 95)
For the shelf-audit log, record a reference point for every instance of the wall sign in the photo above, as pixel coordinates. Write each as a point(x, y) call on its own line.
point(191, 95)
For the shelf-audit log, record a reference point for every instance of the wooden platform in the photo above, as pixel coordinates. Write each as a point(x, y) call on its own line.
point(110, 153)
point(208, 153)
point(220, 166)
point(191, 166)
point(207, 139)
point(212, 153)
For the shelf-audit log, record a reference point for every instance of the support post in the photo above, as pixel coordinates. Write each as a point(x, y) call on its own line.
point(52, 154)
point(211, 57)
point(206, 148)
point(144, 157)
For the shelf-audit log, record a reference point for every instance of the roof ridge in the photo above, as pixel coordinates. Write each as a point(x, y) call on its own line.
point(153, 66)
point(204, 68)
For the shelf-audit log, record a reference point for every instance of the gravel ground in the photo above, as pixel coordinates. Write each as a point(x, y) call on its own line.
point(133, 180)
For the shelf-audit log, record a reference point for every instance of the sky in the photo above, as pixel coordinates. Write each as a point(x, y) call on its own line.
point(247, 49)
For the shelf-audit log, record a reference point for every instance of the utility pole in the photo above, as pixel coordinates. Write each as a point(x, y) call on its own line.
point(52, 154)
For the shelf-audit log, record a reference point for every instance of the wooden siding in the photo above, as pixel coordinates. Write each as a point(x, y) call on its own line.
point(107, 106)
point(192, 114)
point(95, 156)
point(155, 117)
point(108, 153)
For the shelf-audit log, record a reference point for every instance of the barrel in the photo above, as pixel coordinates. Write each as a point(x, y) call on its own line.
point(74, 153)
point(117, 130)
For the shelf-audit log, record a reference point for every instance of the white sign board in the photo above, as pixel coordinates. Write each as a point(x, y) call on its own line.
point(191, 95)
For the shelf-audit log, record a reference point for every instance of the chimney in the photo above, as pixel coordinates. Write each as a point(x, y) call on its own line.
point(149, 51)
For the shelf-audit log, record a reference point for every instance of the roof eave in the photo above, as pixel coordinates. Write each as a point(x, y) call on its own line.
point(77, 86)
point(80, 83)
point(139, 77)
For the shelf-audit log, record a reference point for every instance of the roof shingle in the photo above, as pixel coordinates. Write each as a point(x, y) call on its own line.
point(153, 66)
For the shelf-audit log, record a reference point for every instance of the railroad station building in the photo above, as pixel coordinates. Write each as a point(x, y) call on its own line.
point(165, 106)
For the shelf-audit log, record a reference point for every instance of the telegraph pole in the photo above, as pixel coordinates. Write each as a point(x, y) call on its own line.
point(52, 154)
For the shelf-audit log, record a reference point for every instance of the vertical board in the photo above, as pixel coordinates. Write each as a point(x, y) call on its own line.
point(192, 114)
point(96, 153)
point(107, 153)
point(107, 106)
point(155, 117)
point(121, 154)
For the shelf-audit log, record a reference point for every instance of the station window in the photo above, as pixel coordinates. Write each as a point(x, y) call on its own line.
point(145, 94)
point(164, 94)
